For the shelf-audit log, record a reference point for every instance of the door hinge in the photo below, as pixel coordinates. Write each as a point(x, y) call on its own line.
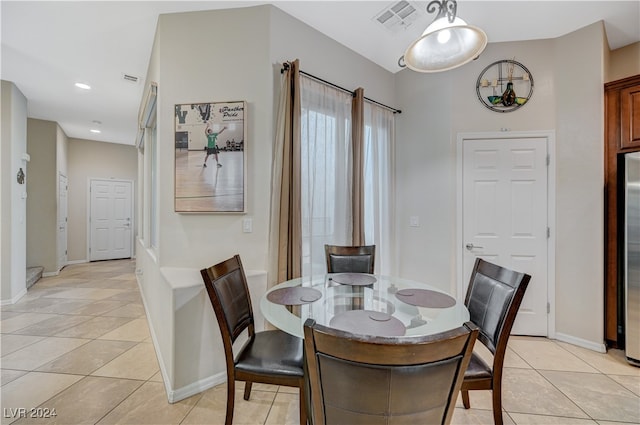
point(548, 232)
point(548, 308)
point(548, 159)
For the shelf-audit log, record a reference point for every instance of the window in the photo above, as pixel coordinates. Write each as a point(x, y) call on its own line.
point(153, 193)
point(325, 164)
point(148, 144)
point(378, 183)
point(326, 167)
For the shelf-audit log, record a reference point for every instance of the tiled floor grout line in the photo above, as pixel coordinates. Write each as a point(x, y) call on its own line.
point(538, 371)
point(566, 395)
point(142, 382)
point(595, 363)
point(121, 401)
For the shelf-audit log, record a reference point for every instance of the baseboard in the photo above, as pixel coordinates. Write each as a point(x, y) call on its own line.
point(174, 396)
point(77, 262)
point(197, 387)
point(156, 347)
point(589, 345)
point(50, 274)
point(15, 299)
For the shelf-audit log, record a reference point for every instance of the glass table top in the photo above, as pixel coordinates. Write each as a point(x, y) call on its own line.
point(364, 304)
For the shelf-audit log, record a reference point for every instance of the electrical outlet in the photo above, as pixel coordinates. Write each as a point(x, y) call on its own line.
point(414, 221)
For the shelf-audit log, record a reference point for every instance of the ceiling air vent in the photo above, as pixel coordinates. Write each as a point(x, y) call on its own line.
point(130, 78)
point(397, 16)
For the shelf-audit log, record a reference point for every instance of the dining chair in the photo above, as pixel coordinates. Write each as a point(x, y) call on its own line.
point(358, 379)
point(350, 259)
point(268, 357)
point(493, 298)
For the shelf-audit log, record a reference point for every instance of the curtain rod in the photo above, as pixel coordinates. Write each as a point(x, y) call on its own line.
point(285, 66)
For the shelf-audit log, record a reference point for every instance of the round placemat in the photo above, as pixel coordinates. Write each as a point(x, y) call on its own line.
point(425, 298)
point(368, 322)
point(354, 279)
point(295, 295)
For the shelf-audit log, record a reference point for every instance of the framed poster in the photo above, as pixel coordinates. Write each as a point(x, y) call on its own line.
point(210, 157)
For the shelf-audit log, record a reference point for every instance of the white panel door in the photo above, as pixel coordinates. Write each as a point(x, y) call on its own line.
point(62, 221)
point(504, 215)
point(110, 219)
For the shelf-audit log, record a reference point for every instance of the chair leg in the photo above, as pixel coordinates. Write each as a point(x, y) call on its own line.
point(497, 404)
point(247, 390)
point(465, 399)
point(303, 406)
point(231, 393)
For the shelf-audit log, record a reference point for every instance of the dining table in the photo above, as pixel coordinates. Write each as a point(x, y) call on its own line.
point(365, 304)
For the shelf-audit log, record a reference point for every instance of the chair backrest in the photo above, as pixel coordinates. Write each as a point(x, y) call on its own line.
point(228, 291)
point(350, 259)
point(357, 379)
point(493, 299)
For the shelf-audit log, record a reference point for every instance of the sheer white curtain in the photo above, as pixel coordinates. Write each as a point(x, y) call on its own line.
point(325, 172)
point(379, 198)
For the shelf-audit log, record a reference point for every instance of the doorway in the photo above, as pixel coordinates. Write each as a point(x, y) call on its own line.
point(505, 216)
point(110, 219)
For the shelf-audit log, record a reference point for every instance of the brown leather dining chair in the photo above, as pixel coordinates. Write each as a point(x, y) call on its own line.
point(268, 357)
point(493, 298)
point(350, 259)
point(359, 379)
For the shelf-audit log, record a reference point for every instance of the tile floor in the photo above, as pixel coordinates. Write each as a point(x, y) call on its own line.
point(79, 343)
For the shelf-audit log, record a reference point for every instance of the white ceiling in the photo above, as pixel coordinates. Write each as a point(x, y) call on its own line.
point(48, 46)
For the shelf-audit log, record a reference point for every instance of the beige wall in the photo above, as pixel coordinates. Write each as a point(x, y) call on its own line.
point(62, 151)
point(244, 66)
point(88, 159)
point(435, 108)
point(439, 106)
point(580, 183)
point(13, 121)
point(624, 62)
point(262, 37)
point(42, 203)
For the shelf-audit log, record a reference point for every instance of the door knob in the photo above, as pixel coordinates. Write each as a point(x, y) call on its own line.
point(470, 246)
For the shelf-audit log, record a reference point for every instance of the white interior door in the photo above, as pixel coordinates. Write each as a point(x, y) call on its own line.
point(62, 221)
point(110, 219)
point(504, 216)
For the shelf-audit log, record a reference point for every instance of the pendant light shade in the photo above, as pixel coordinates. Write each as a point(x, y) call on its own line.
point(447, 43)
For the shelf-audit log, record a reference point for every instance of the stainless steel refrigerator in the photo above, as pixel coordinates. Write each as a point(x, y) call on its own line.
point(632, 257)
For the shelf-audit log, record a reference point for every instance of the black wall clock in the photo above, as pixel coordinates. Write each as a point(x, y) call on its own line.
point(504, 86)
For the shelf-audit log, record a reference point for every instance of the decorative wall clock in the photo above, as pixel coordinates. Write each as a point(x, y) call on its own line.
point(504, 86)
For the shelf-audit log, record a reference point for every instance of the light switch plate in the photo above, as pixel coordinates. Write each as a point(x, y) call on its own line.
point(247, 225)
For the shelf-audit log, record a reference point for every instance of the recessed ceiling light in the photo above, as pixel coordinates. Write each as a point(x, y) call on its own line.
point(93, 130)
point(83, 86)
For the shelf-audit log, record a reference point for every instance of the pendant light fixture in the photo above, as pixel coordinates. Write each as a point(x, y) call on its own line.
point(447, 43)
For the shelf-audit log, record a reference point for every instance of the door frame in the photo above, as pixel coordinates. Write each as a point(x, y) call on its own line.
point(66, 230)
point(133, 197)
point(550, 136)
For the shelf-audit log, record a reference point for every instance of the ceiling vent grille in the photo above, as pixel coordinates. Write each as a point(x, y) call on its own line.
point(130, 78)
point(398, 16)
